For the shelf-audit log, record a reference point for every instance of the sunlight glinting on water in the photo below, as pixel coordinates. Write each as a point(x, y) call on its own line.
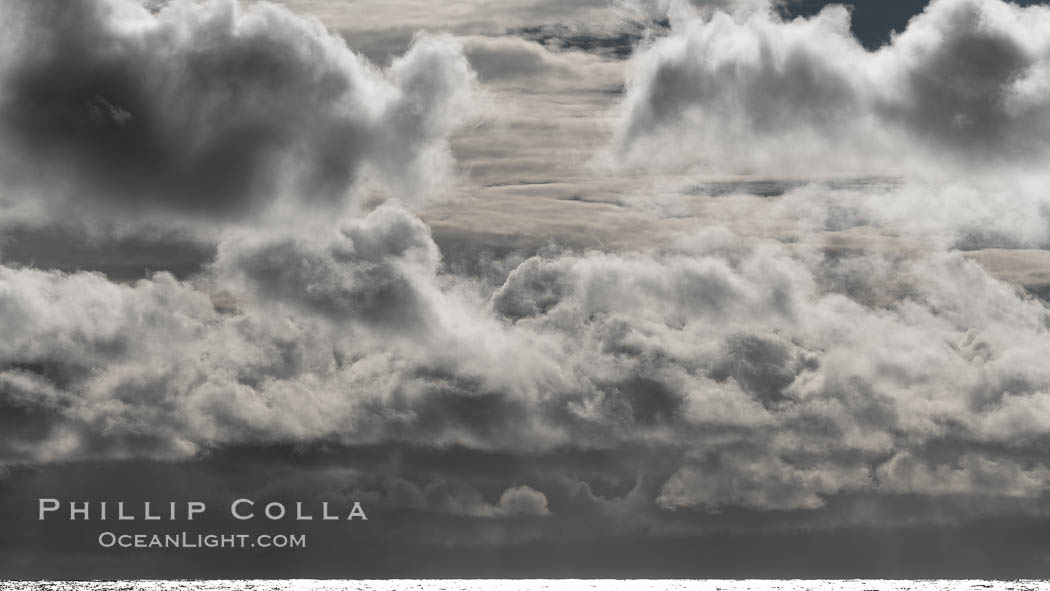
point(533, 585)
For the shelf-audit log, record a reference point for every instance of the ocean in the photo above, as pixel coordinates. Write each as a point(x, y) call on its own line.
point(532, 585)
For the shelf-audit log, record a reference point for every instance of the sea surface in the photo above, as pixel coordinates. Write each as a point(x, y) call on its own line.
point(534, 585)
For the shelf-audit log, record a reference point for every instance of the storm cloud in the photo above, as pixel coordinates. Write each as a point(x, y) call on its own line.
point(214, 109)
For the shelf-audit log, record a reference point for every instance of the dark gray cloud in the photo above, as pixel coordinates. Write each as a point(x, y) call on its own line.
point(618, 44)
point(213, 109)
point(365, 274)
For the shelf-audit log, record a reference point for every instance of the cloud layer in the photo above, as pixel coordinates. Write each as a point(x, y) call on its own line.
point(777, 379)
point(757, 349)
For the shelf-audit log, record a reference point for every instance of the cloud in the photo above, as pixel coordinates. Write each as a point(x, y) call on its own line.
point(365, 273)
point(774, 353)
point(972, 474)
point(459, 498)
point(753, 376)
point(357, 311)
point(523, 63)
point(758, 482)
point(214, 110)
point(964, 83)
point(522, 500)
point(383, 27)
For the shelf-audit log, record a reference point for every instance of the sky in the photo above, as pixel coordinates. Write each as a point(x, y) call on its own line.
point(605, 288)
